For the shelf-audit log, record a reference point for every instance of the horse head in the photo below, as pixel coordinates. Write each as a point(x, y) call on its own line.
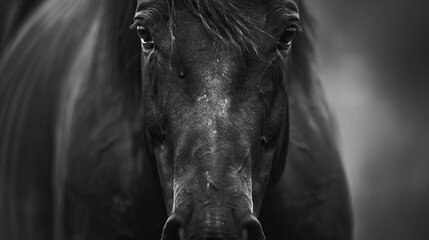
point(215, 102)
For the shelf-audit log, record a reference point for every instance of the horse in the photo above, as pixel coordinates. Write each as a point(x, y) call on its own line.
point(167, 119)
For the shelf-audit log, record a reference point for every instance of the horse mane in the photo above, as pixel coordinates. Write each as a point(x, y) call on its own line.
point(223, 20)
point(12, 15)
point(34, 71)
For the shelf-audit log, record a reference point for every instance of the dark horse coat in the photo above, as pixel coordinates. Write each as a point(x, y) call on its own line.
point(73, 163)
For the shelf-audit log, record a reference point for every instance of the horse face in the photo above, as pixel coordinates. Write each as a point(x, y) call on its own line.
point(215, 105)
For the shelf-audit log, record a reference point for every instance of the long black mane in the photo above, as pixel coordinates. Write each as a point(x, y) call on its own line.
point(36, 77)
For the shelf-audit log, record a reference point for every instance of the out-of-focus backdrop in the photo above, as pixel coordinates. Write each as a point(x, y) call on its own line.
point(374, 63)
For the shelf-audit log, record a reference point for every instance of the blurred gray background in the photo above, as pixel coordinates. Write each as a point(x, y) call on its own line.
point(374, 64)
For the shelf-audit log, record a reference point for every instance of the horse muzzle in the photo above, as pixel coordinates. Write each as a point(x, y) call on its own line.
point(212, 224)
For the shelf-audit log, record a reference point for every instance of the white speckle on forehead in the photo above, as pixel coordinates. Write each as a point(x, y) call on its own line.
point(210, 183)
point(211, 128)
point(213, 103)
point(224, 105)
point(201, 98)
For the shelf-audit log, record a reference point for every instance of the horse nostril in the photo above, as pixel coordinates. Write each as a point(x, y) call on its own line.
point(173, 228)
point(252, 229)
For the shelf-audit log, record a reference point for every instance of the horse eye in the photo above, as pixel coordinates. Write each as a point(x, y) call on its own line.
point(285, 40)
point(145, 37)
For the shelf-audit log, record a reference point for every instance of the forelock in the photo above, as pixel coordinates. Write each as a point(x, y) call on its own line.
point(224, 21)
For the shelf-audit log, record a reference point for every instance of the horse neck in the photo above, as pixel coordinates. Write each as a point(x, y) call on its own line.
point(309, 110)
